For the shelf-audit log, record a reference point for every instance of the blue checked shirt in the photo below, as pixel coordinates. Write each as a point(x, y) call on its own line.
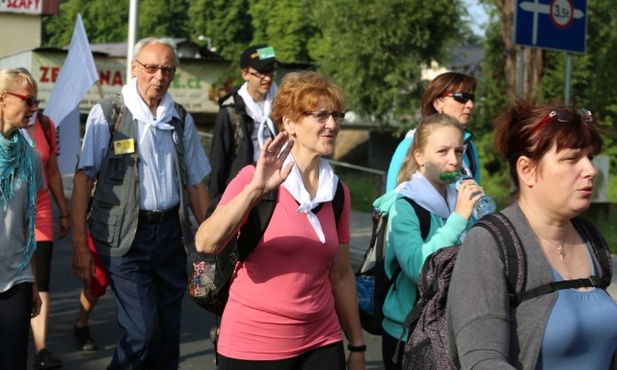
point(158, 185)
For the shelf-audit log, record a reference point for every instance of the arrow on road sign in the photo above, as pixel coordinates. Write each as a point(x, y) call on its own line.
point(537, 8)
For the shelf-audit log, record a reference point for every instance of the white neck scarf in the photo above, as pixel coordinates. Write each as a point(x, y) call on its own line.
point(328, 182)
point(141, 112)
point(259, 117)
point(425, 194)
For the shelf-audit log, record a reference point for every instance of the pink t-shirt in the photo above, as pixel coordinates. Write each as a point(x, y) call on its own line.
point(44, 225)
point(281, 303)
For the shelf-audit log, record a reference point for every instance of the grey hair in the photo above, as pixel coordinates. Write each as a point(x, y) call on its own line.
point(11, 78)
point(161, 41)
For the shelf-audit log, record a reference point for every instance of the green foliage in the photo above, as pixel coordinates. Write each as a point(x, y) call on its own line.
point(105, 21)
point(375, 50)
point(363, 188)
point(163, 18)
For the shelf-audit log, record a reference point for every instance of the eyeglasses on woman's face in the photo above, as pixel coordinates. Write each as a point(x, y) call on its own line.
point(29, 99)
point(563, 115)
point(461, 97)
point(322, 116)
point(152, 68)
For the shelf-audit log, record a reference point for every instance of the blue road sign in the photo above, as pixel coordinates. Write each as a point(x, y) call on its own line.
point(551, 24)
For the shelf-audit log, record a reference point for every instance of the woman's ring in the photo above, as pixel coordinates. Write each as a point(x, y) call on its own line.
point(269, 151)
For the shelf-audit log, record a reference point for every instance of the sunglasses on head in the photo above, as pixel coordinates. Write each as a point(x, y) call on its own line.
point(461, 97)
point(563, 115)
point(29, 99)
point(323, 116)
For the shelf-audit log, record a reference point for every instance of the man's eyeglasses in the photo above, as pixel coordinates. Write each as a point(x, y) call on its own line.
point(152, 68)
point(323, 116)
point(29, 99)
point(461, 97)
point(564, 116)
point(261, 75)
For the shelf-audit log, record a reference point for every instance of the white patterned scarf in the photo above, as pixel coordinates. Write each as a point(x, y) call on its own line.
point(328, 182)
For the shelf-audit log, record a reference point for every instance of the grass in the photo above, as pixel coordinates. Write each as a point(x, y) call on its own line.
point(364, 188)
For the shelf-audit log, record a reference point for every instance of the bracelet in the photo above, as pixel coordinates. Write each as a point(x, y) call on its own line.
point(361, 348)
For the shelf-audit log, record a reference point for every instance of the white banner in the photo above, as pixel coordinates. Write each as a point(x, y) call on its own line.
point(76, 77)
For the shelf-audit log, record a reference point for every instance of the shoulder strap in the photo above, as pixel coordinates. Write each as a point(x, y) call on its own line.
point(338, 202)
point(113, 109)
point(511, 251)
point(181, 112)
point(256, 224)
point(598, 246)
point(424, 216)
point(45, 125)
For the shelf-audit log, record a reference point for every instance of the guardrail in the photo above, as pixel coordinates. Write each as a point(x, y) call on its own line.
point(206, 141)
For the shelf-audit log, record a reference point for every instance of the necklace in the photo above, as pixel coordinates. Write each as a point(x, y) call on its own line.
point(558, 246)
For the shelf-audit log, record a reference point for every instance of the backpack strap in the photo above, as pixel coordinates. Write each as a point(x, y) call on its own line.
point(256, 224)
point(338, 202)
point(45, 125)
point(424, 216)
point(599, 247)
point(511, 251)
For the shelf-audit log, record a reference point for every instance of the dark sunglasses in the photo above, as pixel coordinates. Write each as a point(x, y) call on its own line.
point(323, 116)
point(29, 99)
point(152, 68)
point(564, 116)
point(461, 97)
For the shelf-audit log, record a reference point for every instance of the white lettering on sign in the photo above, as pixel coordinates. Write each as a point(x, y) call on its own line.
point(21, 6)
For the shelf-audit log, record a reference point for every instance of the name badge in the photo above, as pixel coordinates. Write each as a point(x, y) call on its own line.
point(126, 146)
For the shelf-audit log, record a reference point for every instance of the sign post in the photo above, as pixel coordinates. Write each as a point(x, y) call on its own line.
point(559, 25)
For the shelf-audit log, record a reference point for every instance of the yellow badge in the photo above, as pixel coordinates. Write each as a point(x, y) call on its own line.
point(124, 146)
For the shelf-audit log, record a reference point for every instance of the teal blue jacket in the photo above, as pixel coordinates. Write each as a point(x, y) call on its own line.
point(405, 248)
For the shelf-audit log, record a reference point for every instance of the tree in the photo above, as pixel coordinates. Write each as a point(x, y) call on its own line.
point(376, 50)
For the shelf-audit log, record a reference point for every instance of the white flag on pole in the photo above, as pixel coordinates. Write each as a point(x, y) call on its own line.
point(76, 77)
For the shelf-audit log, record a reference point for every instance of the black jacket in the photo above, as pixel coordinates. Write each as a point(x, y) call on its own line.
point(232, 148)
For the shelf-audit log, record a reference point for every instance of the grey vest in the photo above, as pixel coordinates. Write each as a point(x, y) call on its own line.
point(114, 212)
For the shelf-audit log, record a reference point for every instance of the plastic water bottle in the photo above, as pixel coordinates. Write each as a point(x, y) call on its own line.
point(484, 205)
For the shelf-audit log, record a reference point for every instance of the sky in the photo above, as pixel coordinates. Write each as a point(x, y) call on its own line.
point(478, 16)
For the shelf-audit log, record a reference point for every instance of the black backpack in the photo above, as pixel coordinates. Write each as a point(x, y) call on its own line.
point(372, 283)
point(209, 283)
point(428, 346)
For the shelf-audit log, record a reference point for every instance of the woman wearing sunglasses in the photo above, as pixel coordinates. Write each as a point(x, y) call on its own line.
point(549, 151)
point(451, 93)
point(290, 298)
point(21, 176)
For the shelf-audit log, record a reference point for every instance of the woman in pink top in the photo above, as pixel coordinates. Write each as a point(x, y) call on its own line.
point(292, 295)
point(42, 137)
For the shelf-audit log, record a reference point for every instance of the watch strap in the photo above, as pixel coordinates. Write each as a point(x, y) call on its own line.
point(361, 348)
